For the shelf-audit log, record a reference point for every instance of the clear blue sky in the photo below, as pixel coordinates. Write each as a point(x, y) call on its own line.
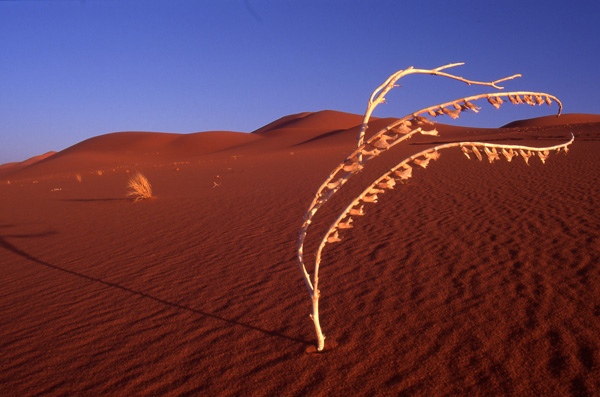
point(73, 69)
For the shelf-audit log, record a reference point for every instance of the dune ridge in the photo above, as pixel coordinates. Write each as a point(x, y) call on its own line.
point(564, 119)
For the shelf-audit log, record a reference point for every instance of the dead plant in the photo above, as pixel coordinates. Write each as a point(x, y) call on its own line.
point(396, 132)
point(139, 187)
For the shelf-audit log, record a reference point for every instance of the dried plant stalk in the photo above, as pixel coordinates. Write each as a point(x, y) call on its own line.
point(396, 132)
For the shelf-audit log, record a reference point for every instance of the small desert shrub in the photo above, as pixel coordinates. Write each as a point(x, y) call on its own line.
point(139, 187)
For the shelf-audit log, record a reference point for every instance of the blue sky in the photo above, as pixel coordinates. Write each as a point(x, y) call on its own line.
point(73, 69)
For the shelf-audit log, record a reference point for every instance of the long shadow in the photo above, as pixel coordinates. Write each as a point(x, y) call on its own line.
point(93, 200)
point(10, 247)
point(318, 137)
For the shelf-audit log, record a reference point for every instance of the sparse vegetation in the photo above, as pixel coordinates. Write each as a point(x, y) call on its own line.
point(140, 188)
point(396, 132)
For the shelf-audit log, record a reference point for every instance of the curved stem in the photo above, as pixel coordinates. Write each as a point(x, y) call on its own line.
point(391, 136)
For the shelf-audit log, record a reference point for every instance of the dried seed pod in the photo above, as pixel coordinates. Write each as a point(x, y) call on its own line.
point(543, 156)
point(494, 102)
point(422, 120)
point(539, 100)
point(457, 107)
point(466, 151)
point(432, 113)
point(509, 154)
point(333, 185)
point(373, 152)
point(375, 191)
point(515, 99)
point(346, 225)
point(548, 100)
point(405, 173)
point(334, 237)
point(492, 154)
point(525, 155)
point(357, 211)
point(472, 107)
point(434, 155)
point(430, 132)
point(381, 143)
point(528, 100)
point(370, 199)
point(387, 184)
point(353, 167)
point(477, 153)
point(452, 113)
point(422, 162)
point(403, 128)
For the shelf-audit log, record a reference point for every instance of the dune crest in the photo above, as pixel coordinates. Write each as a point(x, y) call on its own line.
point(564, 119)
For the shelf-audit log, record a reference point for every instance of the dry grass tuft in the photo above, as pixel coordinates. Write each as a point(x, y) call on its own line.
point(140, 188)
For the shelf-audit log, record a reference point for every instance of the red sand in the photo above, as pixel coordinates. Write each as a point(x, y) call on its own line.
point(471, 279)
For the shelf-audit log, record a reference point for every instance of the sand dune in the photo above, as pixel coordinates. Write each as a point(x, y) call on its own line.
point(130, 149)
point(325, 120)
point(10, 168)
point(565, 119)
point(470, 279)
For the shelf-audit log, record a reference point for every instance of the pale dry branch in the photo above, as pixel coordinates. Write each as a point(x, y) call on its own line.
point(394, 133)
point(378, 96)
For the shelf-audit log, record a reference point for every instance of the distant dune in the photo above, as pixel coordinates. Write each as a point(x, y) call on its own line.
point(298, 131)
point(470, 278)
point(10, 168)
point(545, 121)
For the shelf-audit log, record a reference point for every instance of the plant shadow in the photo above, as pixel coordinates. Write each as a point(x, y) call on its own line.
point(15, 250)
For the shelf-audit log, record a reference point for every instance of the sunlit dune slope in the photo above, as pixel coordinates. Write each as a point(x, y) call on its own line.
point(10, 168)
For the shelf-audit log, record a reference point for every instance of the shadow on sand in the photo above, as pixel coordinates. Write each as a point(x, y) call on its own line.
point(96, 200)
point(12, 248)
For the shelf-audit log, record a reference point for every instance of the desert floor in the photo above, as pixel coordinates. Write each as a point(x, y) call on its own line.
point(471, 278)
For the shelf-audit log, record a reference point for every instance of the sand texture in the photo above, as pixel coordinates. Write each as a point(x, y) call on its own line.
point(470, 279)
